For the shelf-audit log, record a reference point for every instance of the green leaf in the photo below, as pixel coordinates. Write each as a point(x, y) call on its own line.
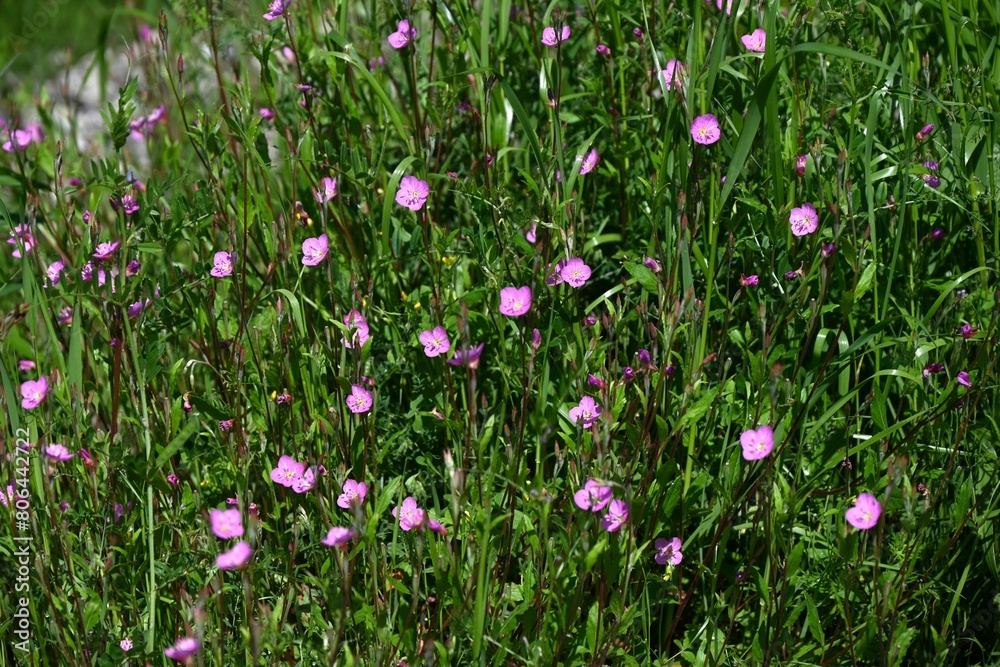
point(643, 275)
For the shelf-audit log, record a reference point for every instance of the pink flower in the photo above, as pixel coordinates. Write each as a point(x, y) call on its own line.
point(54, 271)
point(288, 471)
point(327, 190)
point(652, 265)
point(588, 411)
point(705, 130)
point(729, 5)
point(21, 235)
point(749, 281)
point(616, 517)
point(357, 328)
point(236, 558)
point(515, 301)
point(354, 494)
point(924, 132)
point(531, 234)
point(963, 379)
point(757, 443)
point(184, 648)
point(589, 162)
point(754, 41)
point(338, 537)
point(223, 265)
point(403, 36)
point(575, 272)
point(314, 250)
point(126, 644)
point(410, 516)
point(549, 37)
point(468, 358)
point(226, 523)
point(412, 193)
point(932, 180)
point(603, 50)
point(435, 341)
point(672, 73)
point(593, 497)
point(266, 113)
point(360, 400)
point(21, 139)
point(305, 483)
point(33, 392)
point(105, 251)
point(668, 551)
point(555, 278)
point(276, 10)
point(58, 453)
point(969, 331)
point(437, 527)
point(865, 513)
point(129, 205)
point(25, 365)
point(800, 164)
point(804, 219)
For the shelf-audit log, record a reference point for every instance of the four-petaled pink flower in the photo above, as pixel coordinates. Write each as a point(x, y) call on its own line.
point(668, 551)
point(276, 10)
point(223, 265)
point(357, 328)
point(236, 558)
point(105, 251)
point(126, 644)
point(587, 412)
point(305, 483)
point(412, 193)
point(755, 40)
point(404, 35)
point(593, 497)
point(410, 516)
point(589, 162)
point(757, 443)
point(338, 537)
point(515, 301)
point(575, 272)
point(354, 494)
point(33, 392)
point(183, 649)
point(435, 341)
point(803, 219)
point(314, 250)
point(58, 453)
point(616, 517)
point(865, 513)
point(327, 189)
point(705, 129)
point(226, 523)
point(672, 74)
point(288, 471)
point(550, 38)
point(360, 400)
point(468, 358)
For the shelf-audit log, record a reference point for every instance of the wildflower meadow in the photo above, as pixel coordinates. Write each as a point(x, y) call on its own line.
point(493, 332)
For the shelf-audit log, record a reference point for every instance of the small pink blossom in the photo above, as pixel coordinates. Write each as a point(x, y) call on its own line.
point(360, 400)
point(412, 193)
point(603, 50)
point(515, 301)
point(589, 161)
point(183, 648)
point(925, 132)
point(749, 281)
point(105, 251)
point(338, 537)
point(129, 205)
point(58, 453)
point(550, 38)
point(705, 130)
point(963, 379)
point(531, 234)
point(616, 517)
point(803, 219)
point(226, 523)
point(404, 35)
point(865, 513)
point(357, 328)
point(236, 558)
point(672, 74)
point(25, 365)
point(652, 265)
point(800, 164)
point(468, 358)
point(555, 278)
point(410, 516)
point(754, 41)
point(314, 250)
point(435, 341)
point(305, 483)
point(276, 10)
point(587, 412)
point(668, 551)
point(575, 272)
point(266, 113)
point(19, 236)
point(223, 265)
point(54, 271)
point(757, 443)
point(33, 392)
point(327, 190)
point(969, 331)
point(593, 497)
point(353, 494)
point(288, 471)
point(126, 644)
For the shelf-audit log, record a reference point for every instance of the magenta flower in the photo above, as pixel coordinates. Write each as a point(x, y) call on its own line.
point(126, 644)
point(226, 523)
point(184, 647)
point(932, 180)
point(749, 281)
point(593, 497)
point(58, 453)
point(266, 113)
point(276, 10)
point(357, 328)
point(963, 379)
point(595, 381)
point(754, 41)
point(54, 271)
point(550, 38)
point(33, 392)
point(865, 513)
point(129, 205)
point(435, 341)
point(360, 400)
point(354, 494)
point(924, 132)
point(338, 537)
point(672, 74)
point(21, 235)
point(412, 193)
point(25, 365)
point(305, 483)
point(403, 36)
point(800, 164)
point(132, 268)
point(437, 527)
point(757, 443)
point(105, 251)
point(589, 161)
point(803, 219)
point(969, 331)
point(932, 368)
point(21, 139)
point(469, 357)
point(410, 516)
point(134, 310)
point(236, 558)
point(555, 278)
point(515, 301)
point(616, 517)
point(652, 265)
point(588, 411)
point(314, 250)
point(575, 272)
point(531, 234)
point(288, 471)
point(668, 551)
point(223, 265)
point(327, 190)
point(705, 130)
point(603, 50)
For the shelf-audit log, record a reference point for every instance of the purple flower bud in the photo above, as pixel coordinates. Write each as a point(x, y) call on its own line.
point(645, 360)
point(589, 320)
point(828, 249)
point(132, 268)
point(791, 275)
point(923, 133)
point(595, 381)
point(536, 339)
point(968, 331)
point(938, 234)
point(670, 370)
point(172, 479)
point(603, 50)
point(628, 373)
